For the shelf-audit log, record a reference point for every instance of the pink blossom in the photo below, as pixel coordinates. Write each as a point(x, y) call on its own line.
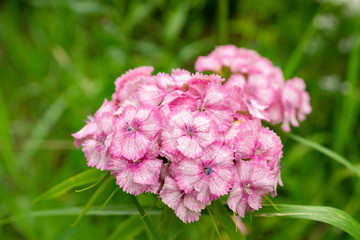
point(127, 84)
point(135, 130)
point(245, 104)
point(88, 131)
point(209, 176)
point(138, 176)
point(253, 140)
point(188, 132)
point(296, 103)
point(222, 56)
point(212, 100)
point(253, 180)
point(96, 149)
point(185, 205)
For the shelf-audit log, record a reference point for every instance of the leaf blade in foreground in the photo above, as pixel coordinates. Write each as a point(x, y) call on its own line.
point(329, 215)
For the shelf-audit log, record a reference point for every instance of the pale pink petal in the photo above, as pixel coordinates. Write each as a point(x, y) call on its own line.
point(148, 171)
point(186, 215)
point(189, 146)
point(193, 204)
point(150, 94)
point(170, 194)
point(85, 133)
point(187, 175)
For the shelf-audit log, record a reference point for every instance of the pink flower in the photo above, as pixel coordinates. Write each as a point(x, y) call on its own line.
point(88, 131)
point(139, 176)
point(127, 84)
point(209, 176)
point(185, 206)
point(222, 56)
point(253, 181)
point(212, 100)
point(188, 133)
point(252, 140)
point(96, 149)
point(245, 104)
point(135, 130)
point(296, 103)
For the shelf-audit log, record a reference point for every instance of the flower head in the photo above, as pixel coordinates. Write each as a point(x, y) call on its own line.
point(253, 180)
point(135, 130)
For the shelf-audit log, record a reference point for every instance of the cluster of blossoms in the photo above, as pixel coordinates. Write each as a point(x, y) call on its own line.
point(264, 92)
point(192, 138)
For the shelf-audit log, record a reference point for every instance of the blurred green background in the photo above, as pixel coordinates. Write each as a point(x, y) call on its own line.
point(59, 60)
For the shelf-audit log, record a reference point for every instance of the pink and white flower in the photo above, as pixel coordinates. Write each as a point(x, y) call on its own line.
point(188, 132)
point(253, 180)
point(209, 176)
point(185, 205)
point(135, 130)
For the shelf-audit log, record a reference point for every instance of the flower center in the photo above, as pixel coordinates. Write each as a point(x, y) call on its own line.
point(131, 127)
point(260, 150)
point(247, 189)
point(190, 130)
point(200, 105)
point(208, 170)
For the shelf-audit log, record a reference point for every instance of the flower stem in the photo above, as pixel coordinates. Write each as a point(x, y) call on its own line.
point(145, 218)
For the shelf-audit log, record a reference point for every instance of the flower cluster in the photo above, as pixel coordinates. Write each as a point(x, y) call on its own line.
point(192, 138)
point(263, 90)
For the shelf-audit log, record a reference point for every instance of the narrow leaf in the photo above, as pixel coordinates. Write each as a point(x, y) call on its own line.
point(333, 216)
point(326, 151)
point(86, 177)
point(110, 197)
point(93, 198)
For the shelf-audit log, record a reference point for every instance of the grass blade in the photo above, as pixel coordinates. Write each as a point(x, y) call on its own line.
point(93, 198)
point(326, 152)
point(88, 176)
point(332, 216)
point(223, 23)
point(120, 210)
point(350, 106)
point(297, 54)
point(145, 218)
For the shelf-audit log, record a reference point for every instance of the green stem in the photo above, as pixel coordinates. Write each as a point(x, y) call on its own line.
point(145, 218)
point(223, 23)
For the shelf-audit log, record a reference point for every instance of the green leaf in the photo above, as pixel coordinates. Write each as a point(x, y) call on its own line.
point(86, 177)
point(333, 216)
point(93, 198)
point(326, 151)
